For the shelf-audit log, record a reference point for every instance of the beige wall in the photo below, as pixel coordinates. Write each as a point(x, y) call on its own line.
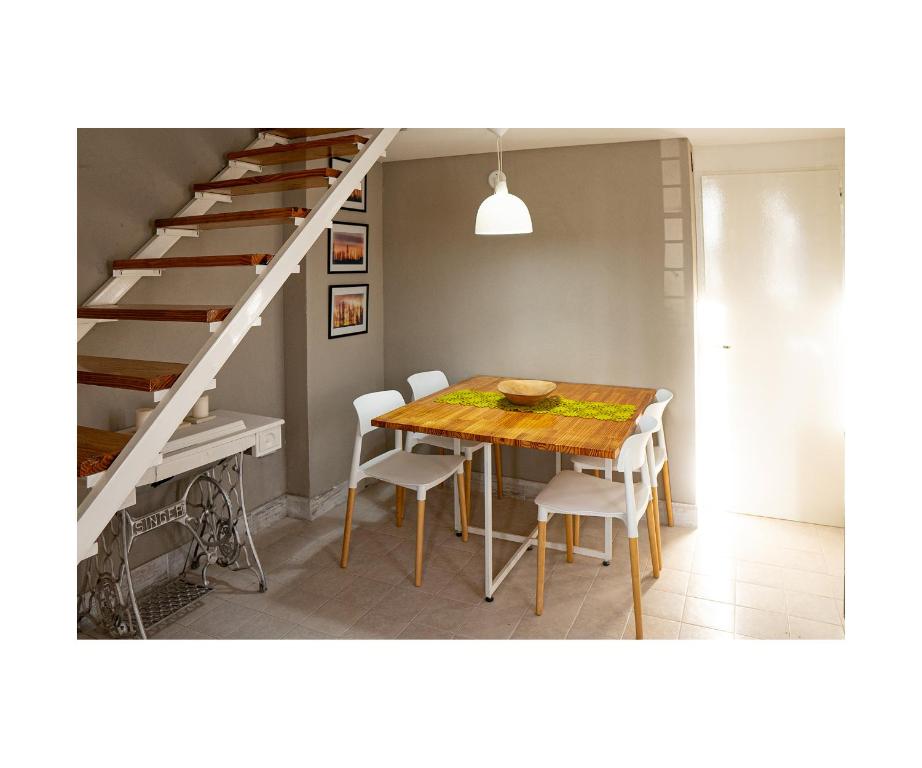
point(581, 299)
point(328, 374)
point(127, 178)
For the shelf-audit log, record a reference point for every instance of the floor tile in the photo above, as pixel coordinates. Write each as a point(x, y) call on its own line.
point(724, 567)
point(694, 632)
point(334, 617)
point(764, 625)
point(804, 629)
point(404, 602)
point(490, 622)
point(717, 588)
point(263, 627)
point(814, 607)
point(598, 622)
point(814, 583)
point(760, 573)
point(804, 560)
point(306, 633)
point(376, 625)
point(176, 631)
point(672, 580)
point(553, 624)
point(223, 620)
point(708, 613)
point(654, 628)
point(416, 631)
point(758, 596)
point(663, 605)
point(444, 613)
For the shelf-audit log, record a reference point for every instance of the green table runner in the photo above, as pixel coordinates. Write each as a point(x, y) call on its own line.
point(559, 406)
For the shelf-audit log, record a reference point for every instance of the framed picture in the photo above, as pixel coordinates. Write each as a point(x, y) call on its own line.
point(348, 310)
point(348, 248)
point(357, 200)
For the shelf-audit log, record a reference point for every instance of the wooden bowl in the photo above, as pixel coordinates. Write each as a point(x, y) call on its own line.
point(526, 391)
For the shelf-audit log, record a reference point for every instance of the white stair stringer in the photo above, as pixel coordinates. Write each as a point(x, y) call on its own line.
point(119, 480)
point(112, 291)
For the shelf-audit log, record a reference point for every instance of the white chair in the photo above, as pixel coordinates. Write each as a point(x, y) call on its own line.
point(405, 470)
point(661, 459)
point(573, 493)
point(428, 383)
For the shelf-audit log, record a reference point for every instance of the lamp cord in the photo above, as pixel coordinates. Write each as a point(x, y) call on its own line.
point(499, 154)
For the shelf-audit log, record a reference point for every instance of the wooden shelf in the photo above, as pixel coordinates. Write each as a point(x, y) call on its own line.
point(342, 146)
point(97, 449)
point(258, 218)
point(239, 260)
point(124, 373)
point(302, 133)
point(181, 313)
point(271, 182)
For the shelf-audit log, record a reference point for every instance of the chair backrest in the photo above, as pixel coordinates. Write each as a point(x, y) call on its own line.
point(656, 409)
point(637, 454)
point(633, 454)
point(374, 404)
point(425, 383)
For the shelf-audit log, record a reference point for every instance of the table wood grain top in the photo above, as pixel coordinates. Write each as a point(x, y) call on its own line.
point(540, 431)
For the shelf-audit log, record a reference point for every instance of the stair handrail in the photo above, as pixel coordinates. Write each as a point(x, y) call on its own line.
point(109, 493)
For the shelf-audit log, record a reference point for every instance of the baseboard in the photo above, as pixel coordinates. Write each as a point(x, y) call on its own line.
point(311, 508)
point(684, 515)
point(170, 564)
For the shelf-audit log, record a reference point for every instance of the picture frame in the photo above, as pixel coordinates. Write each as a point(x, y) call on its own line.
point(355, 202)
point(347, 248)
point(347, 310)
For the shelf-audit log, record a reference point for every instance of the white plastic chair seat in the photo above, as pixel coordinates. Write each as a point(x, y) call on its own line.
point(595, 462)
point(412, 470)
point(440, 441)
point(573, 493)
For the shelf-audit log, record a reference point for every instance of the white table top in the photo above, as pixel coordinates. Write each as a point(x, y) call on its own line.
point(198, 445)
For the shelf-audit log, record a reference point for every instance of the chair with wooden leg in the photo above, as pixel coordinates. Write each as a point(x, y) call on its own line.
point(575, 494)
point(661, 460)
point(428, 383)
point(406, 471)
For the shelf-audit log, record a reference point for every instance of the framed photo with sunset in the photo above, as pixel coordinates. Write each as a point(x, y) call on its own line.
point(357, 200)
point(348, 310)
point(348, 248)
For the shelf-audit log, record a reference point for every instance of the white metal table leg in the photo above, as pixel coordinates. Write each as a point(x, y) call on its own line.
point(454, 486)
point(609, 469)
point(488, 522)
point(557, 462)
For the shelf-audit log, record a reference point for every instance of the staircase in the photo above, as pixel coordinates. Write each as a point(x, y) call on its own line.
point(124, 458)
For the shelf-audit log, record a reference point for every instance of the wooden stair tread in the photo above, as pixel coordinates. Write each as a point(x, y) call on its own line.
point(342, 146)
point(256, 218)
point(302, 133)
point(97, 449)
point(238, 260)
point(182, 313)
point(271, 182)
point(124, 373)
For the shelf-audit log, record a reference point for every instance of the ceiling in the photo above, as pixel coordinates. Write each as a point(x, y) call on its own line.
point(416, 143)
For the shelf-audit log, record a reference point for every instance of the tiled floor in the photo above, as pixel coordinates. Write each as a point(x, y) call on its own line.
point(737, 577)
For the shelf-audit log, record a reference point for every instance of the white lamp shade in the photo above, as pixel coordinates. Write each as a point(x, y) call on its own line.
point(502, 214)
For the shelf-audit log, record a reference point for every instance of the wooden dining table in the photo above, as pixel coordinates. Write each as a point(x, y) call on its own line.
point(539, 431)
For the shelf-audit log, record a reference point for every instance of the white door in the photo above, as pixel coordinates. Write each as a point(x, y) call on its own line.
point(768, 377)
